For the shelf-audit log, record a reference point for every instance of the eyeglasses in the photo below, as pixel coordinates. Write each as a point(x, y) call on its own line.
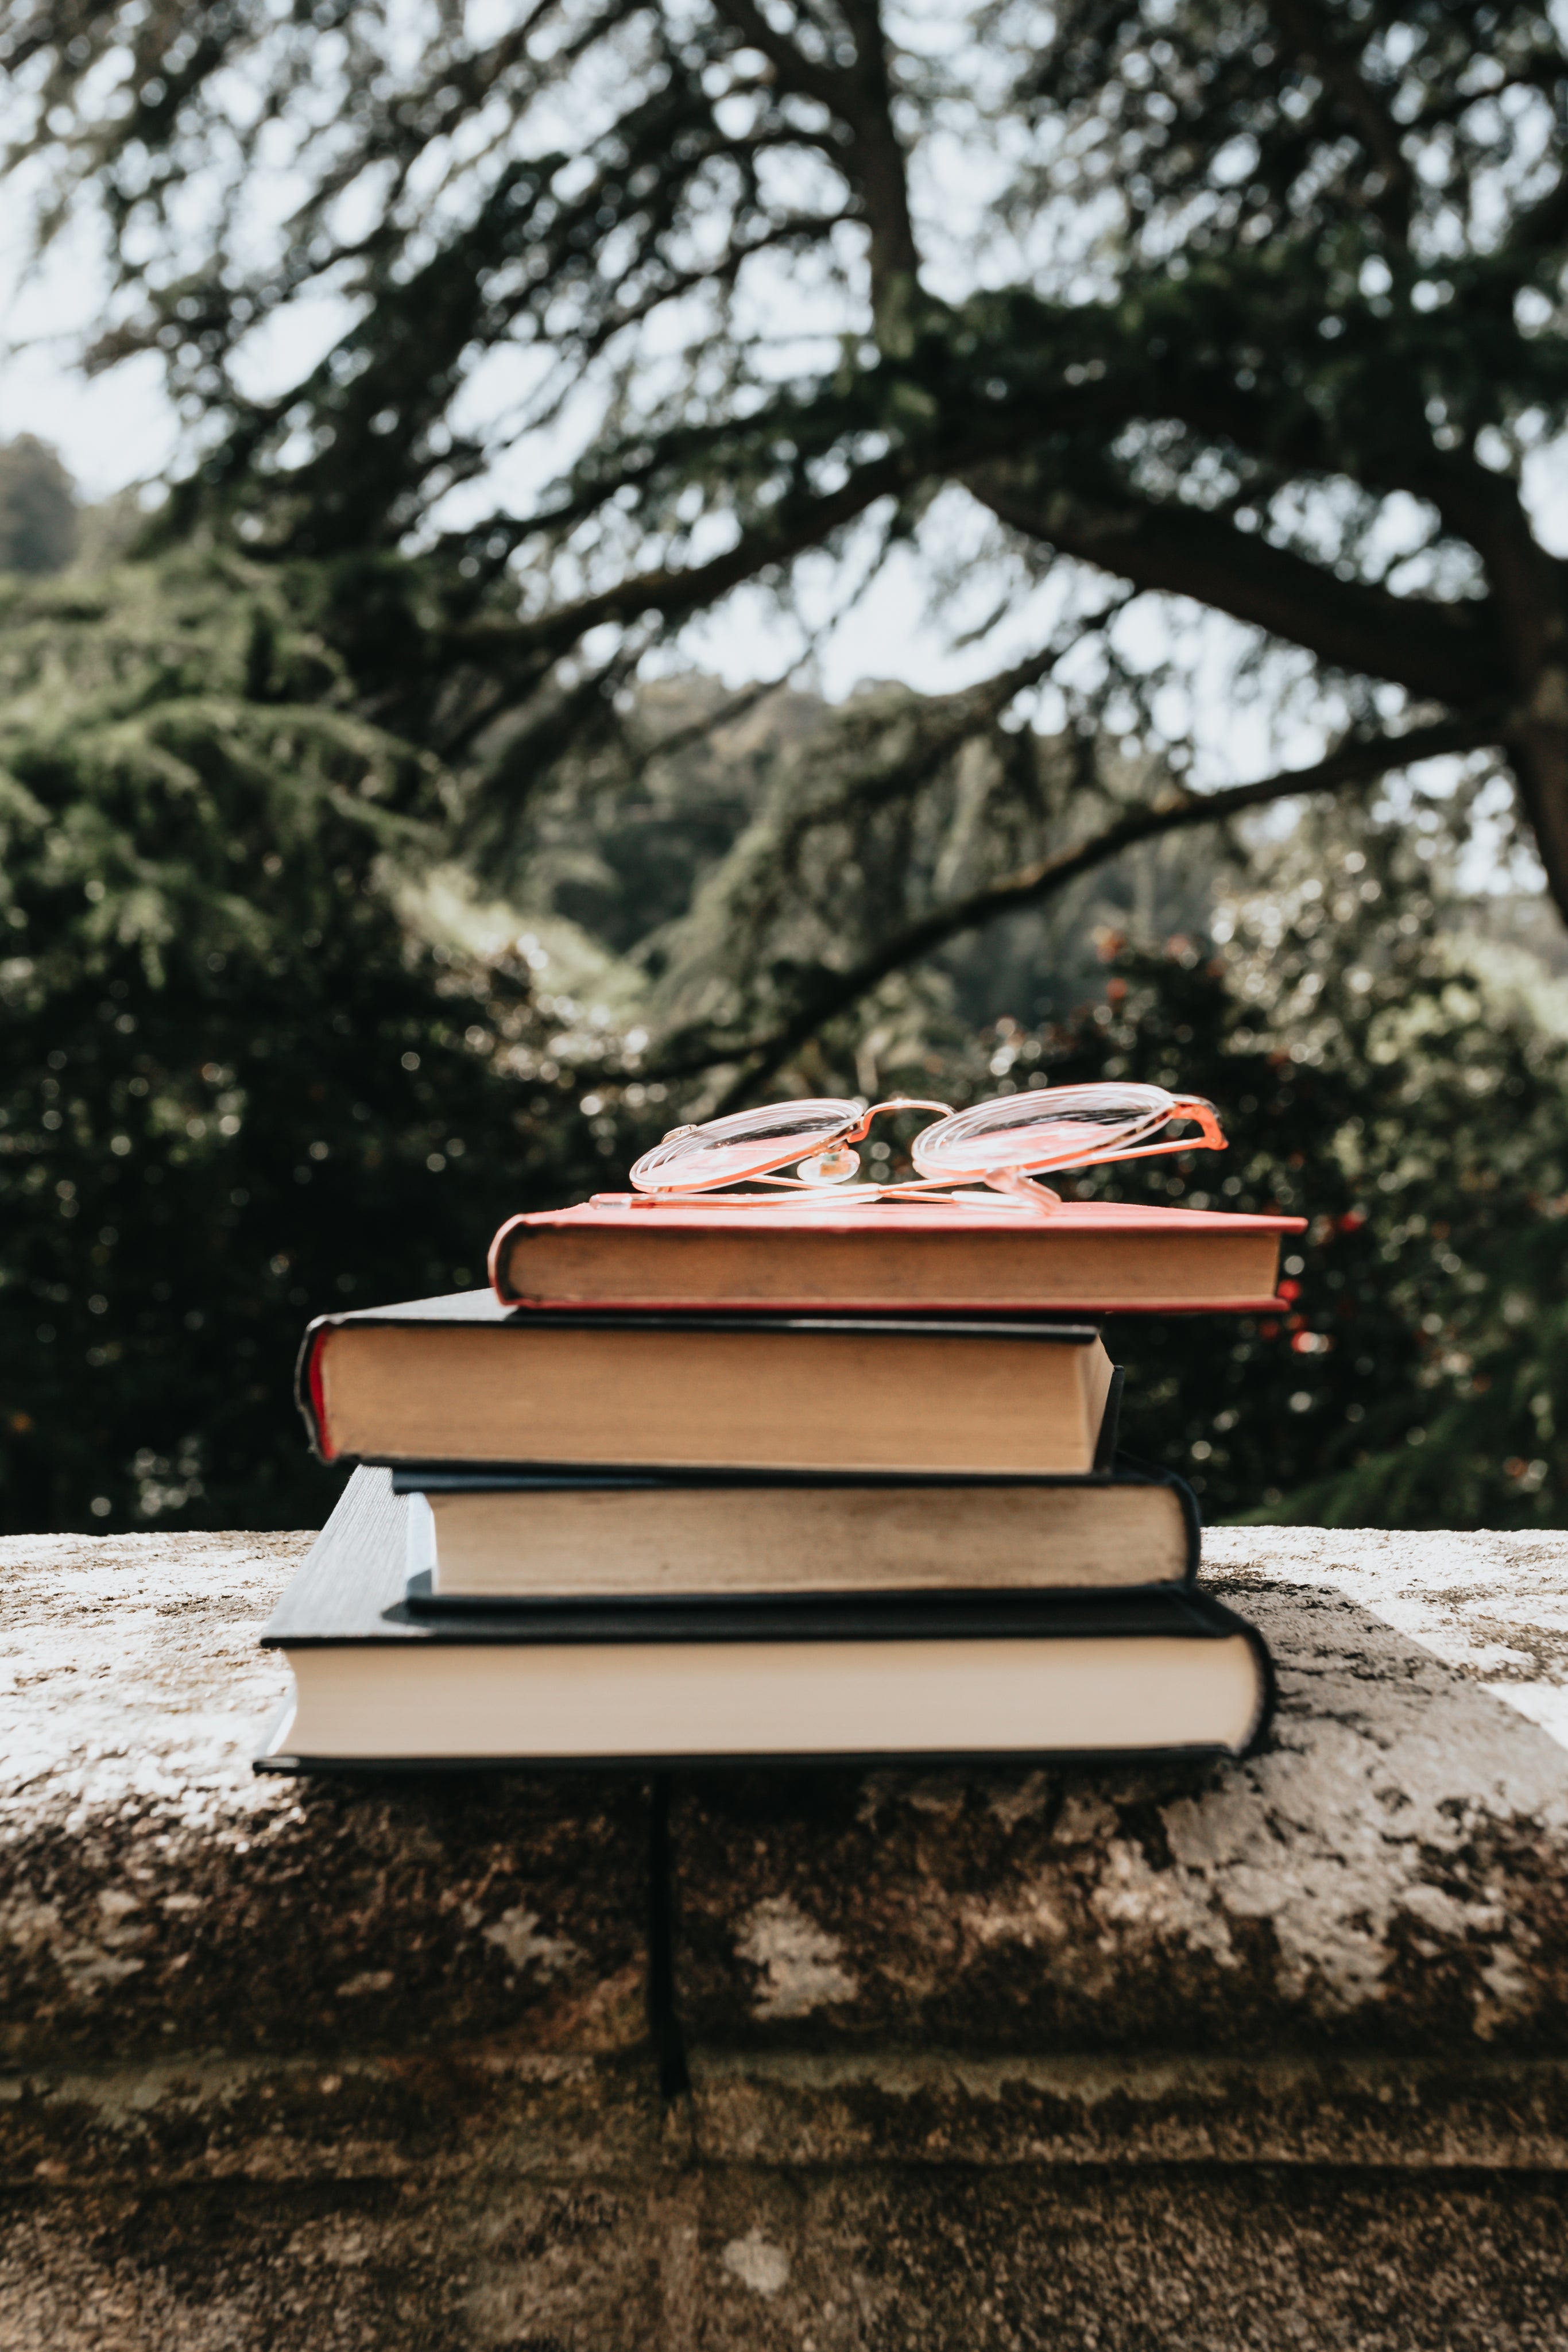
point(1001, 1144)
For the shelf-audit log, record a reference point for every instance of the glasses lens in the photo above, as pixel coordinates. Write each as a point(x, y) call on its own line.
point(1040, 1129)
point(748, 1143)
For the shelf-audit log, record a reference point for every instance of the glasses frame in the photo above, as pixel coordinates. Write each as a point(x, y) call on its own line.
point(1016, 1184)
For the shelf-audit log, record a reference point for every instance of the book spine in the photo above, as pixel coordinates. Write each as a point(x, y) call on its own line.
point(499, 1264)
point(1192, 1520)
point(310, 1393)
point(1227, 1620)
point(1269, 1688)
point(1110, 1424)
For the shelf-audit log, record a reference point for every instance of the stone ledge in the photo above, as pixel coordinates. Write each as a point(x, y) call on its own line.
point(157, 1896)
point(869, 2259)
point(1392, 1871)
point(979, 2060)
point(340, 2114)
point(942, 2108)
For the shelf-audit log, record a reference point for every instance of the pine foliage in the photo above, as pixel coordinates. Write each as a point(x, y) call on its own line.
point(38, 527)
point(235, 1084)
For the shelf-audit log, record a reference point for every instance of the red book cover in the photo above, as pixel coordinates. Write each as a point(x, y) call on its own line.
point(626, 1250)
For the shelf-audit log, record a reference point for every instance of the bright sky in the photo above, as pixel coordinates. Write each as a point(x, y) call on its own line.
point(119, 429)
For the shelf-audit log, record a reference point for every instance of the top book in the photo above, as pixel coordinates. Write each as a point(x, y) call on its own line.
point(621, 1250)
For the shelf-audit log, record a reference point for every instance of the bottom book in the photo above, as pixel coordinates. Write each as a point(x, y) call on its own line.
point(919, 1676)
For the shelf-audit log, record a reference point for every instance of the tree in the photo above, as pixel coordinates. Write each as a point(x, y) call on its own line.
point(38, 526)
point(240, 1083)
point(1374, 1080)
point(1248, 309)
point(1209, 342)
point(260, 1055)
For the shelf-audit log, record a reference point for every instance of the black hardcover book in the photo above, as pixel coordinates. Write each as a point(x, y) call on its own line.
point(500, 1538)
point(705, 1679)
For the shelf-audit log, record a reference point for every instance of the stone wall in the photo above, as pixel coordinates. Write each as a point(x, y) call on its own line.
point(1270, 2054)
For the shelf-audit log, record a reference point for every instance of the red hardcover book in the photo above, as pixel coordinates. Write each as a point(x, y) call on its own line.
point(622, 1251)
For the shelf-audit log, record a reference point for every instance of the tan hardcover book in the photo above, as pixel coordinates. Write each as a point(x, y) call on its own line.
point(1087, 1256)
point(668, 1541)
point(1120, 1689)
point(460, 1380)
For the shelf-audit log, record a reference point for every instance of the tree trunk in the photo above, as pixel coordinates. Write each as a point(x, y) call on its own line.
point(1538, 755)
point(1528, 592)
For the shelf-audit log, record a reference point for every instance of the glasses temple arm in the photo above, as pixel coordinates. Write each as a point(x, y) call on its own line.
point(1196, 1107)
point(1211, 1139)
point(1142, 1151)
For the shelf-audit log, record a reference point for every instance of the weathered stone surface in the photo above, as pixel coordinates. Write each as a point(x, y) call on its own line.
point(980, 2061)
point(1391, 1873)
point(1192, 2259)
point(157, 1896)
point(939, 2108)
point(428, 2116)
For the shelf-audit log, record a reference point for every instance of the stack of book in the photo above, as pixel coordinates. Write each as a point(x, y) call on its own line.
point(705, 1482)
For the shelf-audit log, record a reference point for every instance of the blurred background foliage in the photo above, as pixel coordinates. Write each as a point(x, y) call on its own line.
point(246, 1071)
point(271, 1045)
point(380, 856)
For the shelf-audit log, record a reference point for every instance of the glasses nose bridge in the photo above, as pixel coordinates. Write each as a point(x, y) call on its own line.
point(893, 1102)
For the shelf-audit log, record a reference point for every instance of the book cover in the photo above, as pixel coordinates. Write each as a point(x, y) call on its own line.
point(822, 1251)
point(486, 1546)
point(465, 1379)
point(379, 1684)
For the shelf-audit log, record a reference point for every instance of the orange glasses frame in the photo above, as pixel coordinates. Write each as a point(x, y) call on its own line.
point(817, 1173)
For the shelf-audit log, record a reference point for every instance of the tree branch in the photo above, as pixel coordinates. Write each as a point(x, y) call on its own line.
point(948, 721)
point(722, 272)
point(1313, 38)
point(806, 523)
point(859, 97)
point(1442, 653)
point(883, 176)
point(1361, 762)
point(798, 524)
point(796, 72)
